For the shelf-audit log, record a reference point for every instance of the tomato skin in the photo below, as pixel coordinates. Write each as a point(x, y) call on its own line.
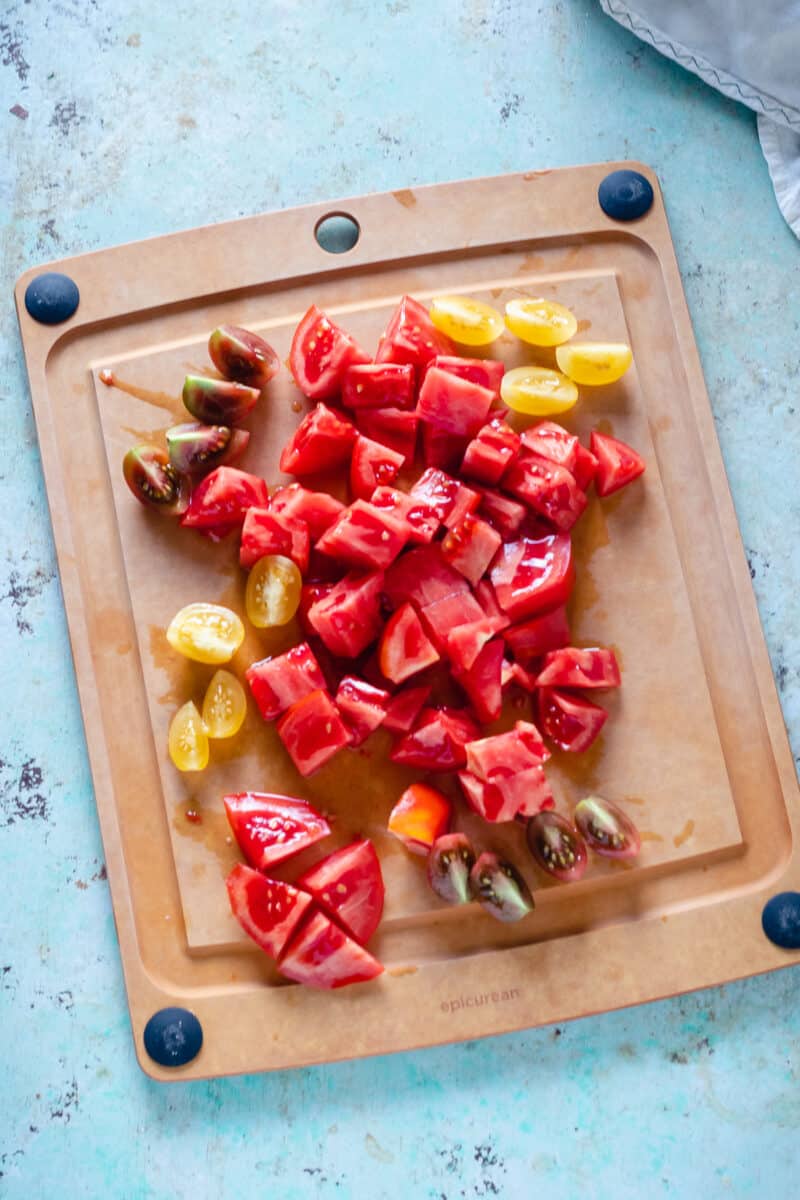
point(547, 488)
point(243, 356)
point(557, 847)
point(617, 463)
point(553, 442)
point(348, 618)
point(468, 322)
point(348, 886)
point(280, 681)
point(491, 452)
point(436, 743)
point(313, 731)
point(267, 910)
point(449, 498)
point(571, 722)
point(217, 401)
point(404, 648)
point(470, 547)
point(317, 509)
point(321, 955)
point(581, 667)
point(404, 708)
point(482, 682)
point(453, 404)
point(487, 372)
point(221, 500)
point(270, 828)
point(411, 337)
point(420, 816)
point(364, 536)
point(378, 385)
point(320, 354)
point(362, 706)
point(533, 575)
point(392, 427)
point(372, 466)
point(323, 440)
point(535, 637)
point(266, 532)
point(585, 467)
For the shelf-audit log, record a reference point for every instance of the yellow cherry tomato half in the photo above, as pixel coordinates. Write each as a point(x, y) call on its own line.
point(207, 633)
point(541, 322)
point(467, 321)
point(538, 391)
point(273, 591)
point(188, 740)
point(594, 363)
point(224, 706)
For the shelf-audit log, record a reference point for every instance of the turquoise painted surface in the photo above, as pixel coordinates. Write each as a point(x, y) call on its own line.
point(138, 122)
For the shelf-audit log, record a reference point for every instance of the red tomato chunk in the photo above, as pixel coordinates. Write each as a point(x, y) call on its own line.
point(323, 440)
point(485, 371)
point(320, 354)
point(363, 707)
point(348, 886)
point(279, 682)
point(404, 648)
point(491, 452)
point(470, 547)
point(452, 404)
point(392, 427)
point(483, 681)
point(533, 575)
point(422, 576)
point(378, 385)
point(617, 464)
point(437, 741)
point(313, 731)
point(420, 518)
point(364, 536)
point(553, 442)
point(421, 815)
point(450, 499)
point(547, 488)
point(447, 614)
point(348, 618)
point(267, 910)
point(321, 955)
point(411, 336)
point(266, 532)
point(404, 708)
point(569, 721)
point(318, 509)
point(270, 828)
point(594, 667)
point(442, 449)
point(219, 503)
point(371, 465)
point(538, 635)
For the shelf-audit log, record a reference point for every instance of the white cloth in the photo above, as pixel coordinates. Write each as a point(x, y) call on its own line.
point(747, 49)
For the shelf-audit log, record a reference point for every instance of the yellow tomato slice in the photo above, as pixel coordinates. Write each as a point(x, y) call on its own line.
point(273, 591)
point(595, 363)
point(541, 322)
point(188, 741)
point(467, 321)
point(538, 391)
point(207, 633)
point(224, 706)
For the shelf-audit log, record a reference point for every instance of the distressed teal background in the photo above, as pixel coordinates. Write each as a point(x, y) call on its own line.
point(138, 119)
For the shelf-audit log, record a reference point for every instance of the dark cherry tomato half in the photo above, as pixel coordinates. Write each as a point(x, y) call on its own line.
point(556, 846)
point(500, 889)
point(154, 481)
point(217, 401)
point(449, 864)
point(607, 829)
point(242, 356)
point(196, 448)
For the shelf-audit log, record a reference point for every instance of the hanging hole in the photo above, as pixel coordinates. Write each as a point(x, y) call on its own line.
point(337, 233)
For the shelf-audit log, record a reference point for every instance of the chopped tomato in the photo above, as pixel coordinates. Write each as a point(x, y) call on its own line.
point(348, 885)
point(442, 449)
point(279, 682)
point(220, 501)
point(465, 642)
point(421, 519)
point(447, 614)
point(585, 467)
point(470, 547)
point(550, 631)
point(404, 708)
point(321, 353)
point(484, 798)
point(267, 910)
point(570, 721)
point(411, 337)
point(270, 828)
point(404, 648)
point(392, 427)
point(533, 575)
point(313, 731)
point(553, 442)
point(487, 598)
point(321, 955)
point(516, 673)
point(547, 488)
point(448, 497)
point(482, 682)
point(348, 618)
point(421, 815)
point(437, 741)
point(521, 795)
point(372, 465)
point(378, 385)
point(318, 509)
point(363, 707)
point(310, 593)
point(505, 514)
point(572, 666)
point(266, 532)
point(323, 440)
point(422, 576)
point(485, 371)
point(364, 536)
point(505, 754)
point(617, 464)
point(452, 404)
point(491, 452)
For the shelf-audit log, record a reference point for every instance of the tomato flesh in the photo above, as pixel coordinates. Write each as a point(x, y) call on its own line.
point(533, 575)
point(321, 955)
point(378, 385)
point(617, 463)
point(503, 755)
point(465, 642)
point(585, 467)
point(420, 816)
point(267, 910)
point(313, 731)
point(404, 647)
point(510, 796)
point(540, 322)
point(449, 498)
point(487, 372)
point(392, 427)
point(557, 847)
point(371, 466)
point(363, 707)
point(442, 449)
point(411, 337)
point(266, 532)
point(491, 452)
point(547, 488)
point(364, 536)
point(320, 354)
point(422, 576)
point(221, 500)
point(535, 637)
point(594, 363)
point(206, 633)
point(470, 547)
point(188, 739)
point(224, 706)
point(569, 721)
point(419, 517)
point(482, 682)
point(155, 480)
point(574, 666)
point(447, 614)
point(553, 442)
point(404, 708)
point(348, 618)
point(607, 829)
point(453, 404)
point(507, 516)
point(270, 828)
point(322, 441)
point(279, 682)
point(348, 886)
point(538, 391)
point(436, 743)
point(317, 509)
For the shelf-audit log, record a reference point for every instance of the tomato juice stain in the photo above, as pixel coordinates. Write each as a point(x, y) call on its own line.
point(684, 834)
point(160, 399)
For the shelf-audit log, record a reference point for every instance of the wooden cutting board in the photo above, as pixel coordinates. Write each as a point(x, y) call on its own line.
point(694, 749)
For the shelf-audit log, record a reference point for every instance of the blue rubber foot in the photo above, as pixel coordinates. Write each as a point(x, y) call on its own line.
point(781, 920)
point(173, 1037)
point(52, 298)
point(625, 195)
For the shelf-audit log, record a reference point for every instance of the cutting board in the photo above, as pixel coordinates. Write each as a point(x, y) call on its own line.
point(695, 749)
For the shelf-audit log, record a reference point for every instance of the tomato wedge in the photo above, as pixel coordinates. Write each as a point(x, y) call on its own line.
point(488, 372)
point(321, 955)
point(348, 618)
point(573, 666)
point(420, 519)
point(266, 532)
point(453, 404)
point(364, 536)
point(372, 465)
point(421, 815)
point(470, 547)
point(552, 441)
point(465, 642)
point(547, 488)
point(533, 575)
point(422, 576)
point(279, 682)
point(363, 707)
point(392, 427)
point(323, 440)
point(404, 647)
point(404, 708)
point(585, 467)
point(219, 503)
point(442, 449)
point(535, 637)
point(313, 731)
point(437, 741)
point(449, 498)
point(321, 353)
point(411, 336)
point(507, 516)
point(348, 885)
point(483, 681)
point(317, 509)
point(617, 464)
point(270, 828)
point(491, 452)
point(505, 754)
point(378, 385)
point(569, 721)
point(267, 910)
